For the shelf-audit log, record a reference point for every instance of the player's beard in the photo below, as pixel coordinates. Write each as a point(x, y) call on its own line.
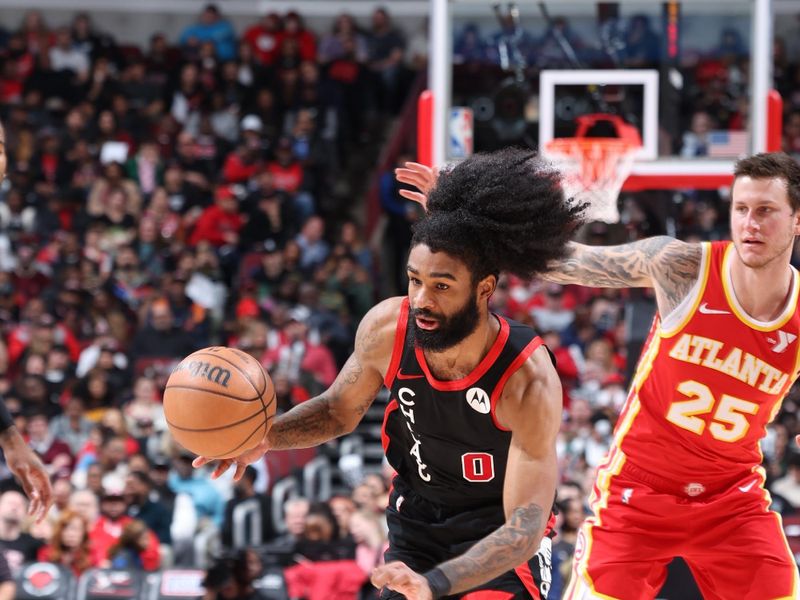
point(763, 262)
point(451, 330)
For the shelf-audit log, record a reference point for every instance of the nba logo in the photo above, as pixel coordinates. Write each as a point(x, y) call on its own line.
point(460, 137)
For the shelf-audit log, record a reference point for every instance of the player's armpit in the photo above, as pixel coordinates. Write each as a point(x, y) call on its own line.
point(339, 409)
point(531, 401)
point(662, 262)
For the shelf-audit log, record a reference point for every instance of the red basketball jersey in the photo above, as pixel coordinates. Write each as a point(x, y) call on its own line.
point(709, 381)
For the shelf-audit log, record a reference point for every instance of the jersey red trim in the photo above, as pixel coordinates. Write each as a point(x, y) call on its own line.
point(477, 372)
point(390, 408)
point(490, 595)
point(526, 577)
point(516, 364)
point(399, 339)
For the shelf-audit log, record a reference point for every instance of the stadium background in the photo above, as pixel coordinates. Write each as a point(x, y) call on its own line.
point(165, 194)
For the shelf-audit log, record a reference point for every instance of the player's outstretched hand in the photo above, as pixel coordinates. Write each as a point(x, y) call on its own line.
point(400, 578)
point(241, 461)
point(29, 470)
point(421, 177)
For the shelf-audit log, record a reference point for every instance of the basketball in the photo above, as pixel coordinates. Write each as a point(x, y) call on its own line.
point(219, 402)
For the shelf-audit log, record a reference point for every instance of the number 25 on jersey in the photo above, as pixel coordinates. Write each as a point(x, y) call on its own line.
point(728, 424)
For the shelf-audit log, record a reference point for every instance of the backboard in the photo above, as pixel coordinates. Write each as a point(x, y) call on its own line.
point(693, 77)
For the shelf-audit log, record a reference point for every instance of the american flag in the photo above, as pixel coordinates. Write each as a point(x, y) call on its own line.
point(724, 144)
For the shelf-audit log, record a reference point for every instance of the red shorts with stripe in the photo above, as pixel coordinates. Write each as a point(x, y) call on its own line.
point(733, 544)
point(423, 534)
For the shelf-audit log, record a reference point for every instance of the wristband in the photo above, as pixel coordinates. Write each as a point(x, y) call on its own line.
point(438, 582)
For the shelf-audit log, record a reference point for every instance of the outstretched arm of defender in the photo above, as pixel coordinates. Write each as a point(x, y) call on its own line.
point(531, 405)
point(338, 409)
point(664, 263)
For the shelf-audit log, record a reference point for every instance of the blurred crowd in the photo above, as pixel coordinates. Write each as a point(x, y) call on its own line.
point(201, 191)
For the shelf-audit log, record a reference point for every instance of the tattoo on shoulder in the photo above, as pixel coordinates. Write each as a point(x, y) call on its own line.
point(678, 268)
point(368, 340)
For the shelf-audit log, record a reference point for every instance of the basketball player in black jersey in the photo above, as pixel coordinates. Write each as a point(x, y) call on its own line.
point(475, 400)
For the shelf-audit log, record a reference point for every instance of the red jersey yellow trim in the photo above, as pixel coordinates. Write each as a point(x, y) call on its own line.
point(733, 302)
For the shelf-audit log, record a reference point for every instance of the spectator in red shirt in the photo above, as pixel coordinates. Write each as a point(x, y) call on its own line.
point(28, 280)
point(294, 28)
point(241, 164)
point(298, 356)
point(287, 175)
point(265, 38)
point(220, 223)
point(109, 527)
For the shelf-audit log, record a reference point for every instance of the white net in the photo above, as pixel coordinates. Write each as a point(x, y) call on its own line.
point(594, 170)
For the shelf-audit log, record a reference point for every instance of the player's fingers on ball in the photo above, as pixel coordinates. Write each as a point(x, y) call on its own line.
point(200, 461)
point(240, 468)
point(221, 468)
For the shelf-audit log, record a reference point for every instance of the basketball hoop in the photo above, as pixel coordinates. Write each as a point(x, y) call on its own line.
point(594, 168)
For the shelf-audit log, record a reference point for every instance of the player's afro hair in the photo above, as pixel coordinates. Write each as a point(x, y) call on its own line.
point(500, 211)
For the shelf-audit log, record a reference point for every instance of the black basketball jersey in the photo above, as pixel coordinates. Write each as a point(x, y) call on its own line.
point(442, 437)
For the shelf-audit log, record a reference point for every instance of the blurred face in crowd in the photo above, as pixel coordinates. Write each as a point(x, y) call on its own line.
point(763, 222)
point(343, 509)
point(574, 515)
point(63, 38)
point(189, 75)
point(138, 462)
point(74, 533)
point(13, 507)
point(144, 390)
point(380, 20)
point(314, 229)
point(161, 316)
point(135, 489)
point(159, 475)
point(296, 512)
point(94, 478)
point(37, 428)
point(84, 502)
point(113, 506)
point(208, 16)
point(114, 452)
point(62, 490)
point(183, 467)
point(364, 496)
point(318, 528)
point(107, 125)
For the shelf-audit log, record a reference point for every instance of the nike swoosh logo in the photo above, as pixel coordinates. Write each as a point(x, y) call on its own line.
point(712, 311)
point(401, 376)
point(746, 488)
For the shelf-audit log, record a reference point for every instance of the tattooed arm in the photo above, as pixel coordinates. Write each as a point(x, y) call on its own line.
point(338, 409)
point(531, 407)
point(664, 263)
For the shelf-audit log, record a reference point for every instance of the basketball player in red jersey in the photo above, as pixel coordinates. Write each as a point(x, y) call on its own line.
point(683, 476)
point(475, 399)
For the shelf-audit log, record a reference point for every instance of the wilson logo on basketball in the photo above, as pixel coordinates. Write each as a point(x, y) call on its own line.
point(197, 368)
